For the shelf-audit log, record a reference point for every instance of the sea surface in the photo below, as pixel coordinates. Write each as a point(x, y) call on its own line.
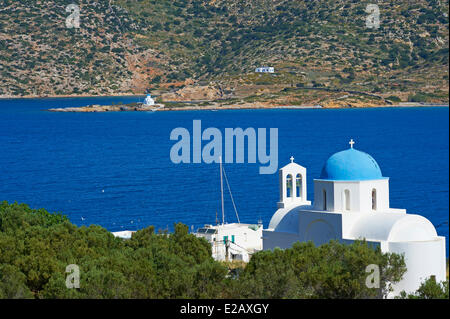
point(114, 169)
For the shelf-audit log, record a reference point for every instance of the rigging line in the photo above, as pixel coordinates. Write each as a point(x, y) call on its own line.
point(221, 191)
point(231, 195)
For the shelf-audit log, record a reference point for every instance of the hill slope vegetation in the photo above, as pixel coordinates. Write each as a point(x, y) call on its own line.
point(128, 46)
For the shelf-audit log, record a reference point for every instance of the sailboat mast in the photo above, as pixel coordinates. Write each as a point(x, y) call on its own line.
point(221, 190)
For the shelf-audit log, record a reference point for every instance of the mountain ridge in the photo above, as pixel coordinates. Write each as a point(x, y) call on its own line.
point(128, 47)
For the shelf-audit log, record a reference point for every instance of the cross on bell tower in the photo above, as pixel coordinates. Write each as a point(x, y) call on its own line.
point(292, 159)
point(352, 142)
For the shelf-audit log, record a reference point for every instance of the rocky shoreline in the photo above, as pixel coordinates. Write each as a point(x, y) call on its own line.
point(217, 106)
point(110, 108)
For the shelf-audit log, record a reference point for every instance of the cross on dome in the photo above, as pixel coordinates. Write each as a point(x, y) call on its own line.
point(352, 142)
point(292, 159)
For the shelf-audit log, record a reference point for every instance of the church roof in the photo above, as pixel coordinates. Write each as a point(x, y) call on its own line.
point(286, 219)
point(351, 165)
point(393, 227)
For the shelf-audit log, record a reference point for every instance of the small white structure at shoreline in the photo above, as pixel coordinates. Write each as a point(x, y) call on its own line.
point(351, 202)
point(149, 101)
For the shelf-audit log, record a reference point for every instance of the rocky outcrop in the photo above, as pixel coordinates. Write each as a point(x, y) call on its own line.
point(194, 93)
point(345, 104)
point(109, 108)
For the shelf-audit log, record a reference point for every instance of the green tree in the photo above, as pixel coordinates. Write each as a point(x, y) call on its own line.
point(332, 270)
point(13, 283)
point(429, 289)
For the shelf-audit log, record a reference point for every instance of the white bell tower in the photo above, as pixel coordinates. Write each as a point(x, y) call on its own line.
point(292, 185)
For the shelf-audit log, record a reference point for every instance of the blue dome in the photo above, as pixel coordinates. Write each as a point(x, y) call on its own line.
point(351, 165)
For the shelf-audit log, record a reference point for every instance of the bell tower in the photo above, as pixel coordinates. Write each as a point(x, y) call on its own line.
point(292, 185)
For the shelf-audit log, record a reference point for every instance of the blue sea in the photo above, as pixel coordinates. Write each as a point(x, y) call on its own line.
point(114, 169)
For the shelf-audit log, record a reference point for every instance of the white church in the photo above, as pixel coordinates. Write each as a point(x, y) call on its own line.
point(351, 202)
point(149, 101)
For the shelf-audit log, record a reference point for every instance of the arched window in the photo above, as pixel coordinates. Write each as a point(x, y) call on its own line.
point(374, 199)
point(346, 199)
point(289, 186)
point(298, 185)
point(324, 198)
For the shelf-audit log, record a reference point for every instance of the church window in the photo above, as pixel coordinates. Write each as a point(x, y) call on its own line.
point(289, 186)
point(324, 198)
point(374, 199)
point(347, 199)
point(298, 185)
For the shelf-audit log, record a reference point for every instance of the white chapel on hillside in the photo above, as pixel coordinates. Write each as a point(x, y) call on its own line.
point(351, 202)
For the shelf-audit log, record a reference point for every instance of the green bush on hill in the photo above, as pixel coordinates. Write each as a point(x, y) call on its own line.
point(393, 98)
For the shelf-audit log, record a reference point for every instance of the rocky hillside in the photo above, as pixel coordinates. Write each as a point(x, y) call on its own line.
point(125, 46)
point(40, 56)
